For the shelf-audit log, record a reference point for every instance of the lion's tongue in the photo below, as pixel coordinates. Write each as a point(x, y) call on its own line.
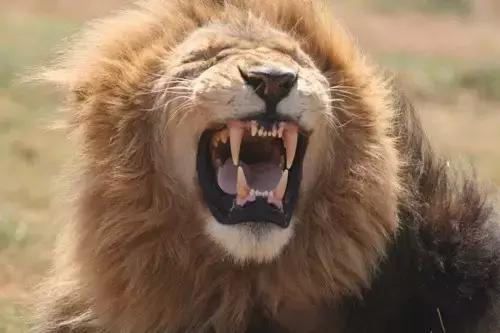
point(263, 176)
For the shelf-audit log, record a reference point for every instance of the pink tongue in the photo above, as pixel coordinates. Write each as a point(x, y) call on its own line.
point(263, 176)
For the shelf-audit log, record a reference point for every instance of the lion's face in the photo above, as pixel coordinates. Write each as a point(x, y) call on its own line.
point(246, 112)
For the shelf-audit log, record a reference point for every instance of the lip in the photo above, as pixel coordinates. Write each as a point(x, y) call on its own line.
point(252, 206)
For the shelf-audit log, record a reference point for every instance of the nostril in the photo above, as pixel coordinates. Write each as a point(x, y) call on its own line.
point(252, 80)
point(270, 83)
point(289, 80)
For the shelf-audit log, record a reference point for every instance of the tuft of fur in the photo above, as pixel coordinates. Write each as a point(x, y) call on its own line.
point(134, 255)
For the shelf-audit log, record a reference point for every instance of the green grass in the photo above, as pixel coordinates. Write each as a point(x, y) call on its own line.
point(12, 318)
point(26, 41)
point(30, 157)
point(486, 81)
point(13, 234)
point(444, 78)
point(460, 7)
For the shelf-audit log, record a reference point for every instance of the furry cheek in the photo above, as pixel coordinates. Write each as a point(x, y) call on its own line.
point(308, 102)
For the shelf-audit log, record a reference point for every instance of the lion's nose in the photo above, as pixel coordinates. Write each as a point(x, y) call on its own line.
point(272, 84)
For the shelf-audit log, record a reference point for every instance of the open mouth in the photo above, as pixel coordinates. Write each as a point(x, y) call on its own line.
point(250, 170)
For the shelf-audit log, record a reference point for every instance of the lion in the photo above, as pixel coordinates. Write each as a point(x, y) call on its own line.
point(242, 166)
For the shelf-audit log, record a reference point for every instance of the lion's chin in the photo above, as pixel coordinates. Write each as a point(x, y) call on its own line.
point(250, 242)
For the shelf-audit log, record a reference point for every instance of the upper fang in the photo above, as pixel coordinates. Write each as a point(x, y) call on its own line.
point(253, 126)
point(290, 137)
point(236, 131)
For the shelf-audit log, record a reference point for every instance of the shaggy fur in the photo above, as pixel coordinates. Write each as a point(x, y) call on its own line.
point(385, 238)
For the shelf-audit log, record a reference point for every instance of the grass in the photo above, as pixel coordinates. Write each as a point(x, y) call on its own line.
point(30, 157)
point(444, 78)
point(486, 81)
point(12, 318)
point(460, 7)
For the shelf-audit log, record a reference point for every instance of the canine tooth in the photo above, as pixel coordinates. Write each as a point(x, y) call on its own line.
point(252, 192)
point(290, 137)
point(235, 136)
point(281, 128)
point(253, 126)
point(279, 192)
point(242, 189)
point(223, 136)
point(261, 130)
point(275, 131)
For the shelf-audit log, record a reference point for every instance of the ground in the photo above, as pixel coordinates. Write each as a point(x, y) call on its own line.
point(447, 58)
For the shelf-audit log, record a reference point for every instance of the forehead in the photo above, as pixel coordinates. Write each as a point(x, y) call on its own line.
point(219, 40)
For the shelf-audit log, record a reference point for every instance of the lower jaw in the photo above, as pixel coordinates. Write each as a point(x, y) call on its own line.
point(258, 211)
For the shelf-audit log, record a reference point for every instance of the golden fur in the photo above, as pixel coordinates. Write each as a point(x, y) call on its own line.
point(134, 256)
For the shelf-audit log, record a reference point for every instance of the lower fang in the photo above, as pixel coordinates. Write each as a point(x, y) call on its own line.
point(273, 201)
point(242, 189)
point(279, 191)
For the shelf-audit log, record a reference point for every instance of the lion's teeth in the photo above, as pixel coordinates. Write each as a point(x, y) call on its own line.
point(281, 129)
point(215, 140)
point(242, 189)
point(223, 136)
point(236, 132)
point(275, 131)
point(261, 130)
point(290, 137)
point(253, 126)
point(279, 192)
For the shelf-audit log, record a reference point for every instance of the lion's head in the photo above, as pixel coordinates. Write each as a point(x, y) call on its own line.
point(252, 131)
point(241, 102)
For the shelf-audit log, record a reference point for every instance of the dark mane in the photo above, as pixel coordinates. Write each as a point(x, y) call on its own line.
point(445, 260)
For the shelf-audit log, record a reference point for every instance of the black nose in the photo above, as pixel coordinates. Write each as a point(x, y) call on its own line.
point(270, 83)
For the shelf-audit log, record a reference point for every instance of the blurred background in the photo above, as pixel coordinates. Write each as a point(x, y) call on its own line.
point(446, 54)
